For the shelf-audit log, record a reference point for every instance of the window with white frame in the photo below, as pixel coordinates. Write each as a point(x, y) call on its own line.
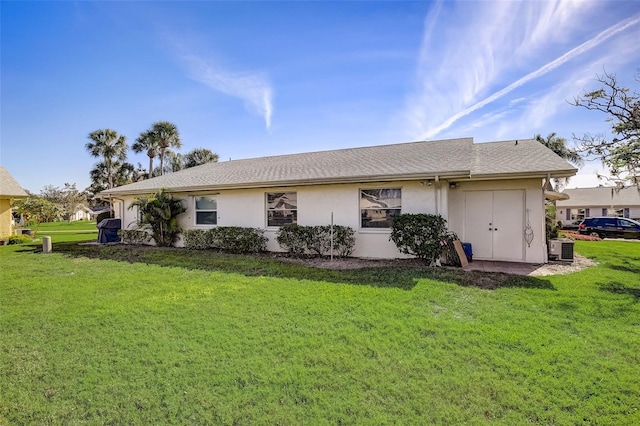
point(578, 214)
point(282, 208)
point(378, 207)
point(206, 208)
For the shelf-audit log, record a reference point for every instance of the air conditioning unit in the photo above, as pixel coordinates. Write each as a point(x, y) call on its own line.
point(561, 249)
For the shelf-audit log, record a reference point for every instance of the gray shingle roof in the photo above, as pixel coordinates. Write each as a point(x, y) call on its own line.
point(601, 197)
point(458, 158)
point(9, 187)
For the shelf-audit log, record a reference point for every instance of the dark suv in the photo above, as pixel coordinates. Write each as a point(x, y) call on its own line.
point(611, 227)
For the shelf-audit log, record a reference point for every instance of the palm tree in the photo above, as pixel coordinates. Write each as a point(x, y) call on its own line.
point(147, 142)
point(559, 146)
point(110, 146)
point(199, 156)
point(159, 214)
point(166, 136)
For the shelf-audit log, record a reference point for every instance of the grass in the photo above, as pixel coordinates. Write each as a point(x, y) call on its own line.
point(150, 336)
point(76, 231)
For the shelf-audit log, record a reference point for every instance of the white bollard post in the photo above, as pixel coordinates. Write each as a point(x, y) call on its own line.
point(46, 244)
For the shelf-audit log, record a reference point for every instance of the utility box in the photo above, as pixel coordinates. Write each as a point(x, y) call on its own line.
point(561, 249)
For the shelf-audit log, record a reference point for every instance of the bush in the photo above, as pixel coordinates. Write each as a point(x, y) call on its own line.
point(293, 238)
point(18, 239)
point(233, 239)
point(300, 240)
point(159, 214)
point(134, 236)
point(420, 235)
point(197, 239)
point(236, 239)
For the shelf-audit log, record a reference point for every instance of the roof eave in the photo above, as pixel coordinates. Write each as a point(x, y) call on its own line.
point(297, 182)
point(525, 175)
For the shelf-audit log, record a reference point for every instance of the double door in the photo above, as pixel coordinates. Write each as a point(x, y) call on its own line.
point(494, 224)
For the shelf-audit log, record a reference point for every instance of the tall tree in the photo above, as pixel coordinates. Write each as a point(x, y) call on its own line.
point(110, 146)
point(199, 156)
point(166, 136)
point(68, 199)
point(146, 142)
point(37, 209)
point(621, 152)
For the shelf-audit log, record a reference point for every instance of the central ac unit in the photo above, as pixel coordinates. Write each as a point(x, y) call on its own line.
point(561, 249)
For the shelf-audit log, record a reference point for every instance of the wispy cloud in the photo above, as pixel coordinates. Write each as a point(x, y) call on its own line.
point(252, 87)
point(492, 46)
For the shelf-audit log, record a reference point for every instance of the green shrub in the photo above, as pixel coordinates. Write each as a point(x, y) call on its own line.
point(134, 236)
point(420, 235)
point(344, 240)
point(159, 214)
point(197, 239)
point(234, 239)
point(299, 240)
point(293, 238)
point(18, 239)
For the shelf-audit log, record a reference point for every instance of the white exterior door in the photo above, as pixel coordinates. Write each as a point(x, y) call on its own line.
point(494, 224)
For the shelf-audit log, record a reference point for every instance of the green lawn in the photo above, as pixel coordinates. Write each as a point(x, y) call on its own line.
point(132, 335)
point(64, 231)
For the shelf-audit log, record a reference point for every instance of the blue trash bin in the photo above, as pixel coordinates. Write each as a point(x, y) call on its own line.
point(468, 251)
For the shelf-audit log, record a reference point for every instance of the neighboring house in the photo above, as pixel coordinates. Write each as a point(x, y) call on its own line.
point(82, 213)
point(489, 193)
point(9, 189)
point(600, 201)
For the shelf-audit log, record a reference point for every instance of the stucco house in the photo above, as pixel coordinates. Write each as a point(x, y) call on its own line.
point(491, 194)
point(9, 189)
point(600, 201)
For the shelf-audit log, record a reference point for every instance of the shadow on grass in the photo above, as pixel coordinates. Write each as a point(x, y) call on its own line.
point(620, 288)
point(403, 276)
point(625, 268)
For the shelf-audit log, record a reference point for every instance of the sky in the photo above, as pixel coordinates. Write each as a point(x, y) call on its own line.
point(253, 79)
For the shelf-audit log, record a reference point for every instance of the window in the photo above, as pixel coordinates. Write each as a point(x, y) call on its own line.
point(378, 207)
point(206, 211)
point(282, 208)
point(577, 214)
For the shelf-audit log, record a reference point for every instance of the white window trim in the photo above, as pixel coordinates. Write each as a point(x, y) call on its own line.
point(365, 230)
point(196, 211)
point(267, 209)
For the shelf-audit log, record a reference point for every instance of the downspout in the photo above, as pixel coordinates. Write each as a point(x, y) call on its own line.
point(437, 194)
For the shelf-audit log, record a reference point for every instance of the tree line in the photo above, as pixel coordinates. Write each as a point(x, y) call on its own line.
point(161, 141)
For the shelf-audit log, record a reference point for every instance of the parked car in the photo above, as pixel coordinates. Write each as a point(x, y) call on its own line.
point(610, 227)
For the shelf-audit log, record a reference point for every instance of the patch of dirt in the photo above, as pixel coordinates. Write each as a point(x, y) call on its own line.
point(552, 268)
point(350, 262)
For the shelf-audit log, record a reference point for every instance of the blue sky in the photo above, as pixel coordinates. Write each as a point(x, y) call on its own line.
point(250, 79)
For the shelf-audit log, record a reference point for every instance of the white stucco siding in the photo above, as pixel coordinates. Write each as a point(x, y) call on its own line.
point(315, 204)
point(533, 204)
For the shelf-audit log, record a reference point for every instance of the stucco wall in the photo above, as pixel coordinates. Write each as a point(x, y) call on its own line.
point(316, 203)
point(247, 208)
point(5, 217)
